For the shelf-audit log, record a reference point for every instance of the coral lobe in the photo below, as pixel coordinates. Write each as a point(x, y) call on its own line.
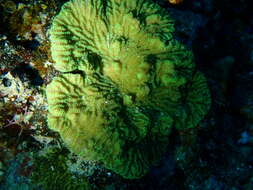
point(136, 83)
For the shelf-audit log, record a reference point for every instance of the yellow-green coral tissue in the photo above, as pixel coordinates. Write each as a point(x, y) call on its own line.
point(125, 83)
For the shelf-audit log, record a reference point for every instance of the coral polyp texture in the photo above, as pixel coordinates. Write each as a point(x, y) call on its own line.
point(125, 83)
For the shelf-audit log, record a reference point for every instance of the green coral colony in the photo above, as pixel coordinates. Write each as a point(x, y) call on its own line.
point(125, 83)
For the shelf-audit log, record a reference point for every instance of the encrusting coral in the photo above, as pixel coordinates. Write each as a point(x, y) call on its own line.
point(126, 83)
point(50, 172)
